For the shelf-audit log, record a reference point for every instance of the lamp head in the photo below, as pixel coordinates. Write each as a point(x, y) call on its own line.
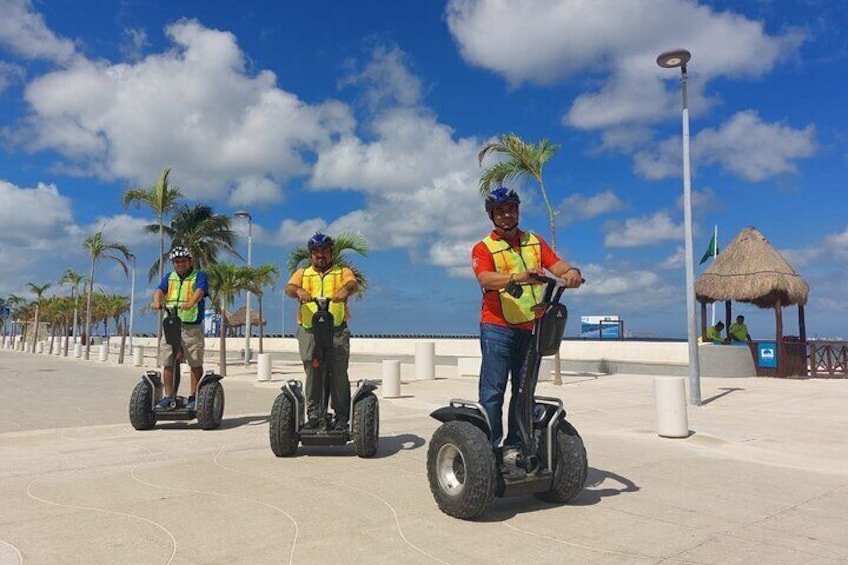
point(674, 59)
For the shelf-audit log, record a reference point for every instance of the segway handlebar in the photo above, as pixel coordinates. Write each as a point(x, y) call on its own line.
point(554, 287)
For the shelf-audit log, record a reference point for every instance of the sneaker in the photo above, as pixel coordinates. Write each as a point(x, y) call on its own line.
point(191, 403)
point(510, 456)
point(340, 425)
point(164, 404)
point(311, 423)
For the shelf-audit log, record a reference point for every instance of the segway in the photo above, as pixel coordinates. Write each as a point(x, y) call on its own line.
point(288, 415)
point(144, 402)
point(462, 469)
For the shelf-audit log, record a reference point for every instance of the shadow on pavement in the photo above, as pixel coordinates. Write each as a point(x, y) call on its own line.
point(598, 477)
point(506, 508)
point(727, 390)
point(403, 442)
point(228, 423)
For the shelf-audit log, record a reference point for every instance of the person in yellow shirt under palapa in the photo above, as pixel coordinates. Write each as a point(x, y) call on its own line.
point(739, 331)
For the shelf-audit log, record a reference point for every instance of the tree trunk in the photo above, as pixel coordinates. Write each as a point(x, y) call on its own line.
point(222, 349)
point(35, 333)
point(123, 331)
point(261, 328)
point(88, 312)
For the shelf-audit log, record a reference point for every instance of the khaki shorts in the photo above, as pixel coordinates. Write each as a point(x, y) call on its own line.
point(193, 347)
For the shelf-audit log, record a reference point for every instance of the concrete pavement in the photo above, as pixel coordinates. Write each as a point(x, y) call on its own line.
point(764, 476)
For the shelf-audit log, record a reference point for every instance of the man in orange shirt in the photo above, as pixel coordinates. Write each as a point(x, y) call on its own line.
point(504, 263)
point(324, 279)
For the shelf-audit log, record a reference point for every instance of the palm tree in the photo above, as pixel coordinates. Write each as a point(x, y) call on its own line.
point(299, 257)
point(18, 306)
point(226, 281)
point(38, 291)
point(162, 198)
point(522, 159)
point(203, 232)
point(4, 303)
point(258, 278)
point(74, 280)
point(117, 307)
point(97, 250)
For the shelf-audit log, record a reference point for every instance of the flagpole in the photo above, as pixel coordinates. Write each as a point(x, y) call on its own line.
point(715, 248)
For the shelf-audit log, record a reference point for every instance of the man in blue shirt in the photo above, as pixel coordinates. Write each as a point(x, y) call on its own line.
point(185, 288)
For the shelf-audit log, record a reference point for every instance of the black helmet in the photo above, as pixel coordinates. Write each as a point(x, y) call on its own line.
point(179, 251)
point(319, 240)
point(501, 195)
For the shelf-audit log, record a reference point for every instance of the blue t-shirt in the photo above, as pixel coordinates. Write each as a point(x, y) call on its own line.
point(201, 282)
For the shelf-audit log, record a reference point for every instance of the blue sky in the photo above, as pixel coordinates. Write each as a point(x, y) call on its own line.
point(367, 116)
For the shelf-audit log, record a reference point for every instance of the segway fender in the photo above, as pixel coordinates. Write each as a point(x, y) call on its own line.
point(153, 378)
point(362, 389)
point(209, 377)
point(293, 389)
point(465, 411)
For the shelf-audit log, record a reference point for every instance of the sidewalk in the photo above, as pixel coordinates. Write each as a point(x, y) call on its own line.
point(764, 476)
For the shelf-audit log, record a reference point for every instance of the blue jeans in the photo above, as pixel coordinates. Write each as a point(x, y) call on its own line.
point(504, 350)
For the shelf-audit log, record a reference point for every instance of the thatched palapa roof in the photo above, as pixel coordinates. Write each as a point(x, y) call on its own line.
point(751, 270)
point(236, 318)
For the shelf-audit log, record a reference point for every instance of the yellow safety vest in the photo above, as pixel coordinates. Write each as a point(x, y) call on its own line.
point(508, 260)
point(179, 292)
point(324, 285)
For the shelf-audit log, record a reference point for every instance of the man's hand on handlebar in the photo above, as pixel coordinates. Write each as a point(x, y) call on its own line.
point(156, 305)
point(340, 295)
point(573, 278)
point(303, 295)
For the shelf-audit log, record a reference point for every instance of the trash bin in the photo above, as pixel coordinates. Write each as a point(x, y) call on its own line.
point(767, 354)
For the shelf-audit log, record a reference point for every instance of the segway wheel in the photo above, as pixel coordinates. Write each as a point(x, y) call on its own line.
point(461, 470)
point(284, 438)
point(366, 426)
point(571, 466)
point(210, 405)
point(142, 416)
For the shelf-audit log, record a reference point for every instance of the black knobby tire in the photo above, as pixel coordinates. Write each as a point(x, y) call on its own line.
point(210, 405)
point(142, 416)
point(461, 470)
point(365, 430)
point(571, 466)
point(284, 439)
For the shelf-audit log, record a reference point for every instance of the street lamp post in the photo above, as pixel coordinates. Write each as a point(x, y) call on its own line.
point(247, 320)
point(672, 60)
point(132, 302)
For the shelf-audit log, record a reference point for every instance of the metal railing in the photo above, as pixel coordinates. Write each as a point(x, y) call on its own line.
point(828, 359)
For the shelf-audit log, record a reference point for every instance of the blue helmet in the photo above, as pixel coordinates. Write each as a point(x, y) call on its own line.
point(319, 240)
point(501, 195)
point(179, 251)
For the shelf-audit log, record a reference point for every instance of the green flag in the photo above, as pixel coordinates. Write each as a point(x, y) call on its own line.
point(711, 251)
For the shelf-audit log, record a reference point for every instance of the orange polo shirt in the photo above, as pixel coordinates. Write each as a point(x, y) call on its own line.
point(482, 261)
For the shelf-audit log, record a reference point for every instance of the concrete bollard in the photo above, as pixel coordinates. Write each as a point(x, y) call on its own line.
point(39, 347)
point(57, 347)
point(391, 378)
point(138, 356)
point(104, 352)
point(263, 367)
point(670, 400)
point(77, 350)
point(425, 360)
